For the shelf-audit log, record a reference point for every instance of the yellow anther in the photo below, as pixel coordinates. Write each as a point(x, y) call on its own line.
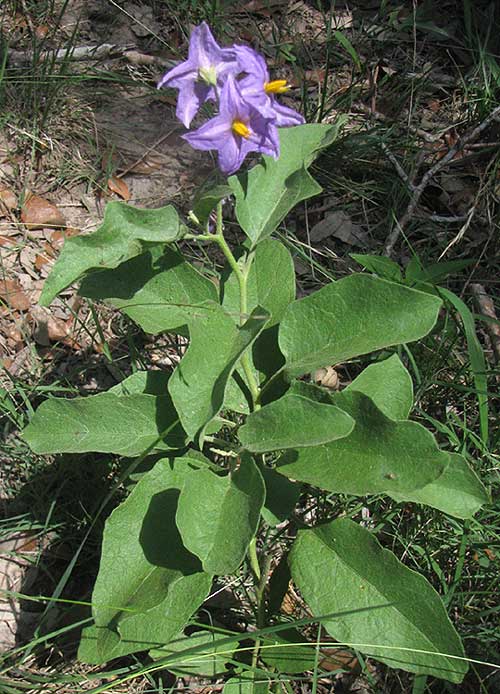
point(276, 87)
point(241, 129)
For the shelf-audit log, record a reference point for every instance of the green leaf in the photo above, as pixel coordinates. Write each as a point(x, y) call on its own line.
point(107, 423)
point(87, 650)
point(436, 271)
point(149, 584)
point(457, 491)
point(347, 45)
point(203, 653)
point(270, 284)
point(354, 316)
point(380, 455)
point(293, 421)
point(126, 231)
point(246, 683)
point(366, 597)
point(286, 652)
point(476, 356)
point(389, 385)
point(158, 290)
point(266, 193)
point(380, 265)
point(206, 200)
point(198, 384)
point(281, 497)
point(148, 382)
point(220, 534)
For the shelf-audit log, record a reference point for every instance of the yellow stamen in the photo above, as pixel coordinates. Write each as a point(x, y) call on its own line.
point(241, 129)
point(276, 87)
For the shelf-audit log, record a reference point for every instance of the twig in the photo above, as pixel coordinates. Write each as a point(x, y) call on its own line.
point(399, 169)
point(158, 142)
point(99, 52)
point(429, 175)
point(447, 219)
point(487, 309)
point(376, 115)
point(461, 232)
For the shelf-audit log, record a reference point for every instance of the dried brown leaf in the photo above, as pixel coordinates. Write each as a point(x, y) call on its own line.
point(12, 293)
point(119, 187)
point(8, 200)
point(38, 212)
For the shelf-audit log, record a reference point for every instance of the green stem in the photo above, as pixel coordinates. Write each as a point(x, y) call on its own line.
point(242, 277)
point(254, 560)
point(260, 593)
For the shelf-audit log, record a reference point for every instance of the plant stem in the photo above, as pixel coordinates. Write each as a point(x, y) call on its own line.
point(242, 277)
point(254, 561)
point(260, 592)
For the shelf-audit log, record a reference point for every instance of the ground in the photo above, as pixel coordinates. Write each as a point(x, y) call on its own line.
point(415, 175)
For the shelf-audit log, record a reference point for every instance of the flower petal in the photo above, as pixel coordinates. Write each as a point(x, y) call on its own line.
point(287, 116)
point(178, 75)
point(191, 96)
point(203, 48)
point(231, 102)
point(211, 135)
point(253, 64)
point(231, 155)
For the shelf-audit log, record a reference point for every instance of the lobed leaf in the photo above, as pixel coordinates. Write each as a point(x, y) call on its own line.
point(366, 597)
point(148, 584)
point(199, 382)
point(350, 317)
point(379, 455)
point(125, 232)
point(265, 194)
point(158, 290)
point(389, 385)
point(106, 423)
point(458, 491)
point(293, 421)
point(231, 510)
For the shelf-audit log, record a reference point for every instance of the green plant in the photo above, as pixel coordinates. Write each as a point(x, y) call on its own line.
point(239, 386)
point(237, 438)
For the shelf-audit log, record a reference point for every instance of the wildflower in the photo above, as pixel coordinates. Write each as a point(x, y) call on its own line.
point(199, 77)
point(238, 128)
point(257, 87)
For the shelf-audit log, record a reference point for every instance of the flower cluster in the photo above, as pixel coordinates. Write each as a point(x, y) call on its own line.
point(238, 79)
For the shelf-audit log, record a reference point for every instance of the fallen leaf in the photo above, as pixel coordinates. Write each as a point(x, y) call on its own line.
point(48, 328)
point(41, 31)
point(38, 212)
point(490, 554)
point(340, 226)
point(434, 105)
point(8, 200)
point(14, 336)
point(13, 294)
point(118, 186)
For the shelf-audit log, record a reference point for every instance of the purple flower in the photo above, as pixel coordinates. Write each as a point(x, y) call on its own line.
point(239, 128)
point(198, 77)
point(257, 87)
